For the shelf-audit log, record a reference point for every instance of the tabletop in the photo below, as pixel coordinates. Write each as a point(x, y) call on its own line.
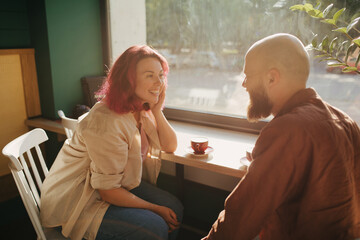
point(229, 149)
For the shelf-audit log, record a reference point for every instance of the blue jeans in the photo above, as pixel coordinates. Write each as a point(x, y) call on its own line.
point(137, 224)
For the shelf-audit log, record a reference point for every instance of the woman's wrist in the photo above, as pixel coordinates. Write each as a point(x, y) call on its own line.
point(157, 113)
point(153, 207)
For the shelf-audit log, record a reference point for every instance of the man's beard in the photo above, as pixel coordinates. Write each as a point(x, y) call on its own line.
point(259, 106)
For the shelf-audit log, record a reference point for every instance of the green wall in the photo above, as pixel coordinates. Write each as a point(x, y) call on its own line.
point(40, 42)
point(14, 26)
point(66, 36)
point(74, 35)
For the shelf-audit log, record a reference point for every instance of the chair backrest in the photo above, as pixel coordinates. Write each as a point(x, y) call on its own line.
point(90, 85)
point(24, 175)
point(69, 124)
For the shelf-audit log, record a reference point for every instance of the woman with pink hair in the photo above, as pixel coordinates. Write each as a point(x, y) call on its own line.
point(102, 183)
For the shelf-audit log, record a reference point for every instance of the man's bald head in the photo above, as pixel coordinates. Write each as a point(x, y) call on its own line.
point(284, 52)
point(276, 67)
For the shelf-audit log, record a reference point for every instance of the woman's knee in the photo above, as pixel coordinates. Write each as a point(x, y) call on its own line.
point(178, 208)
point(154, 227)
point(175, 204)
point(159, 229)
point(132, 223)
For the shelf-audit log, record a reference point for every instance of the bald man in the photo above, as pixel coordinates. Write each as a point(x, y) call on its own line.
point(304, 179)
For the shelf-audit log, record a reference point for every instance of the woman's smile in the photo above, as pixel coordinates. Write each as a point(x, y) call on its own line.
point(149, 80)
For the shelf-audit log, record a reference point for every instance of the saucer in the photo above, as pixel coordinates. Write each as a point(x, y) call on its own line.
point(191, 151)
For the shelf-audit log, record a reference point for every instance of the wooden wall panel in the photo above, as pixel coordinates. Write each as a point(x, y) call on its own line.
point(19, 96)
point(12, 104)
point(29, 78)
point(31, 88)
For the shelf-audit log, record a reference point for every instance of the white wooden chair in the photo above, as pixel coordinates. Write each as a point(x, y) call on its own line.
point(69, 124)
point(24, 176)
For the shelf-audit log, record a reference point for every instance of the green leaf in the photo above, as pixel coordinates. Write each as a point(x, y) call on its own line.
point(327, 9)
point(299, 7)
point(314, 41)
point(325, 43)
point(352, 24)
point(319, 14)
point(328, 59)
point(321, 55)
point(349, 69)
point(356, 15)
point(308, 7)
point(310, 47)
point(337, 14)
point(357, 41)
point(340, 47)
point(341, 30)
point(332, 45)
point(336, 64)
point(317, 48)
point(328, 21)
point(357, 60)
point(315, 13)
point(350, 50)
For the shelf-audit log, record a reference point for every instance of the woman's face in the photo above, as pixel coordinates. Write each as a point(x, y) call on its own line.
point(149, 80)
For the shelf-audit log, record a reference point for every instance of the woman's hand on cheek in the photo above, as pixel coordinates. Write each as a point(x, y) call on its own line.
point(157, 106)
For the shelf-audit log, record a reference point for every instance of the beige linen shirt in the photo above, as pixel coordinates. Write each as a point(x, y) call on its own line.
point(104, 153)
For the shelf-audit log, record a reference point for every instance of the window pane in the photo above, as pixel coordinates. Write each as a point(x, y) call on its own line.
point(341, 90)
point(205, 43)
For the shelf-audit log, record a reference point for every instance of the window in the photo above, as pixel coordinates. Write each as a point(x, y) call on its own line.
point(205, 42)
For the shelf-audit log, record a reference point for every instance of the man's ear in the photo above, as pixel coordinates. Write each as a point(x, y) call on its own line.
point(273, 77)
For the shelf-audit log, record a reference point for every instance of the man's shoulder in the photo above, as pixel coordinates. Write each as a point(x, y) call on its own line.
point(291, 120)
point(312, 119)
point(307, 114)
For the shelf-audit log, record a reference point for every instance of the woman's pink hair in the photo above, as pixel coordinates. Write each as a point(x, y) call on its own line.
point(118, 91)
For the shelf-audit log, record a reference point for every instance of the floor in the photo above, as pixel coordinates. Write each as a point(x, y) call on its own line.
point(17, 226)
point(16, 223)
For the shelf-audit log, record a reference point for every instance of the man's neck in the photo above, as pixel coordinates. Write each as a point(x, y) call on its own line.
point(283, 99)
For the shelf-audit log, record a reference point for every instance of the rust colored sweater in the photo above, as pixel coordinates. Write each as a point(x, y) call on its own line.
point(304, 181)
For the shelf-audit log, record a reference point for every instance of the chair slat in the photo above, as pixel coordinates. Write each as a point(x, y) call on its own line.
point(34, 169)
point(42, 161)
point(30, 180)
point(30, 204)
point(24, 185)
point(69, 124)
point(69, 133)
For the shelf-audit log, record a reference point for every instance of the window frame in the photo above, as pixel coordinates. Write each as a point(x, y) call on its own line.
point(223, 121)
